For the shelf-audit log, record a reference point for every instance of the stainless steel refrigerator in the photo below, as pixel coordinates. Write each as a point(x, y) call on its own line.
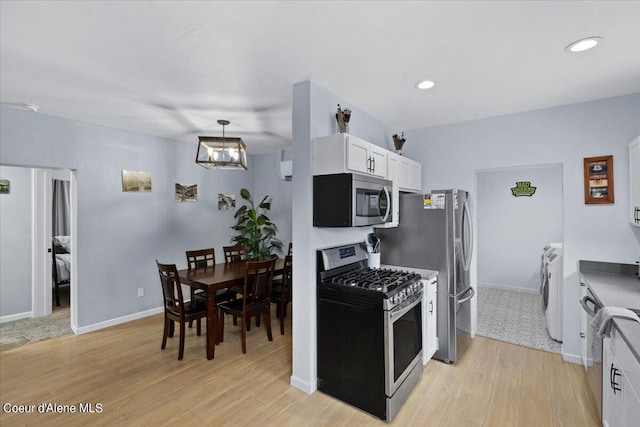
point(436, 233)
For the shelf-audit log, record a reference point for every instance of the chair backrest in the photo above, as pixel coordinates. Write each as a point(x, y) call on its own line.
point(171, 288)
point(258, 279)
point(237, 253)
point(201, 258)
point(290, 250)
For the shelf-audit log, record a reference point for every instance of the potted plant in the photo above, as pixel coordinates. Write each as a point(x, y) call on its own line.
point(255, 229)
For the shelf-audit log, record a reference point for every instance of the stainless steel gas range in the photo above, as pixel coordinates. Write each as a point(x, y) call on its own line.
point(369, 331)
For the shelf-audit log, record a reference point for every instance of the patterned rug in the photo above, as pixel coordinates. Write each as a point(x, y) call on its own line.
point(26, 331)
point(514, 317)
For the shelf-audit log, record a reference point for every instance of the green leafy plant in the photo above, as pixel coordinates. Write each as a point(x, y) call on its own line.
point(255, 229)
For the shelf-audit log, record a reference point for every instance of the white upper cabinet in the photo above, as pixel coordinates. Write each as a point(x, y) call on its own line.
point(410, 178)
point(408, 173)
point(342, 153)
point(634, 183)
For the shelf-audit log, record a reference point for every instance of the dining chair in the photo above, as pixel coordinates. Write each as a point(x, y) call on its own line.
point(236, 253)
point(256, 298)
point(203, 259)
point(281, 291)
point(175, 308)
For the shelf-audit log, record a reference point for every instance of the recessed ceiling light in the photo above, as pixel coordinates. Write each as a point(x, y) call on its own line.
point(425, 84)
point(583, 44)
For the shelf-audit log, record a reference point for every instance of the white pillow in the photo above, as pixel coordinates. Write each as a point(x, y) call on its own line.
point(63, 242)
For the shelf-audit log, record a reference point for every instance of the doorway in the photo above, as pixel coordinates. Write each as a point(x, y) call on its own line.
point(32, 201)
point(519, 212)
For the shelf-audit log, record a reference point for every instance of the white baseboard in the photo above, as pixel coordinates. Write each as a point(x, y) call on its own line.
point(508, 288)
point(305, 386)
point(572, 358)
point(17, 316)
point(118, 320)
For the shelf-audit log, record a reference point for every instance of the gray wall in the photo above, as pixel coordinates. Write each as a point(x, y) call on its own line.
point(314, 111)
point(513, 230)
point(15, 244)
point(450, 155)
point(121, 234)
point(267, 181)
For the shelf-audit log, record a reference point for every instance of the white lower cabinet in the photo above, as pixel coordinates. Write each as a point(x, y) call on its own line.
point(620, 384)
point(431, 330)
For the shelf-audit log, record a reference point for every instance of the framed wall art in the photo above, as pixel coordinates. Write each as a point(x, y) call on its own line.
point(186, 193)
point(598, 180)
point(136, 181)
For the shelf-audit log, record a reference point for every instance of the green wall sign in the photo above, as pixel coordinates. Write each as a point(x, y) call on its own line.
point(523, 188)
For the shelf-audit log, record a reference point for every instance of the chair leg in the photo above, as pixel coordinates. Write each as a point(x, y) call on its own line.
point(190, 323)
point(181, 350)
point(235, 321)
point(267, 321)
point(198, 327)
point(221, 327)
point(281, 307)
point(244, 333)
point(257, 321)
point(165, 333)
point(57, 290)
point(172, 328)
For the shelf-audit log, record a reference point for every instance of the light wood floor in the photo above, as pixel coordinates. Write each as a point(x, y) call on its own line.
point(123, 368)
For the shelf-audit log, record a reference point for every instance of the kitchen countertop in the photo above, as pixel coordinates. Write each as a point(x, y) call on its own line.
point(616, 285)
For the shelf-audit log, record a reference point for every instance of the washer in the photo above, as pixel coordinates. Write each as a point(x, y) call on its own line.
point(552, 294)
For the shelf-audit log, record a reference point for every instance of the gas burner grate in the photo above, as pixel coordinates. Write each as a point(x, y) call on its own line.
point(375, 279)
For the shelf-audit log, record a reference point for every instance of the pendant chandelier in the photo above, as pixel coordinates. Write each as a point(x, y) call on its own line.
point(221, 152)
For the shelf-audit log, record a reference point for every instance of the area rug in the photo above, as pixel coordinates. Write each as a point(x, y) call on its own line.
point(26, 331)
point(514, 317)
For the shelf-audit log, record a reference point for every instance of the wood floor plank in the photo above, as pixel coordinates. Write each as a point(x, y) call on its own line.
point(123, 368)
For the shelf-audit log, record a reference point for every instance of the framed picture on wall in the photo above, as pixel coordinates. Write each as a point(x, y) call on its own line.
point(136, 181)
point(598, 180)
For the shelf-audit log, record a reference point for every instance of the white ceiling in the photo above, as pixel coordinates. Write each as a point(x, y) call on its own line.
point(173, 68)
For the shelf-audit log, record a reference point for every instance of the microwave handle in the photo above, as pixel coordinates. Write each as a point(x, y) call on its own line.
point(386, 214)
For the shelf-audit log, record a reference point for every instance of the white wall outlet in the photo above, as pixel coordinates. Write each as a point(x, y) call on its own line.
point(140, 292)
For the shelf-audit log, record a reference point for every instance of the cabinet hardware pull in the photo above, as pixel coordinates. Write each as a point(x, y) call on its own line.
point(373, 162)
point(582, 335)
point(613, 372)
point(430, 307)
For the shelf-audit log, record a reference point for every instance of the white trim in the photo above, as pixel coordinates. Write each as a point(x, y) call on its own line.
point(116, 321)
point(17, 316)
point(508, 288)
point(307, 387)
point(572, 358)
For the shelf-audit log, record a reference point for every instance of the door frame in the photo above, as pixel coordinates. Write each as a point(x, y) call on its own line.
point(42, 215)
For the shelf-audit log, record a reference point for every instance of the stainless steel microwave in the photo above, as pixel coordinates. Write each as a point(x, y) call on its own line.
point(350, 200)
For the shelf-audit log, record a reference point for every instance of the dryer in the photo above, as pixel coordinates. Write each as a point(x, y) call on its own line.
point(552, 294)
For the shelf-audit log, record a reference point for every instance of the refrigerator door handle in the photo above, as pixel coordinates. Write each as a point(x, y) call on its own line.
point(469, 290)
point(466, 213)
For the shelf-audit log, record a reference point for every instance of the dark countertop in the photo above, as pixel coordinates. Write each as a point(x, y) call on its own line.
point(616, 285)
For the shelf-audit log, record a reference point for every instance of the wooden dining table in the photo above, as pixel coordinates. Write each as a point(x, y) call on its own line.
point(214, 278)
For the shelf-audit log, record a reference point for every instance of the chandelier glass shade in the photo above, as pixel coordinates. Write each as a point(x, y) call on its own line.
point(221, 152)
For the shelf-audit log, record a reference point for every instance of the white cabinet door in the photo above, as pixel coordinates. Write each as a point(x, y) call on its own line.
point(432, 330)
point(634, 184)
point(611, 391)
point(358, 159)
point(584, 325)
point(378, 160)
point(409, 175)
point(620, 373)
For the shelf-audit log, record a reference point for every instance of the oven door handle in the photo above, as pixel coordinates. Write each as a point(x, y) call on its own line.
point(401, 312)
point(461, 300)
point(596, 307)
